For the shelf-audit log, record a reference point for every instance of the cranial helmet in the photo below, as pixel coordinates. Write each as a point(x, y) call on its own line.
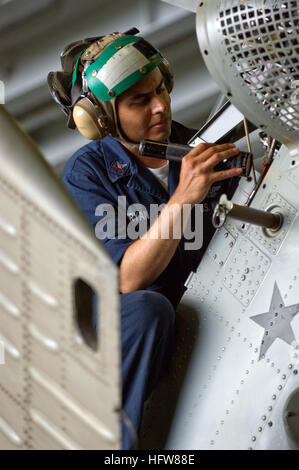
point(95, 72)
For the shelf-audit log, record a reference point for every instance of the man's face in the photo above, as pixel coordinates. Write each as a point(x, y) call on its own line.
point(144, 109)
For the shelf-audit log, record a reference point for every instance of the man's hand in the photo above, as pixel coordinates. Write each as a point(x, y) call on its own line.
point(147, 258)
point(197, 171)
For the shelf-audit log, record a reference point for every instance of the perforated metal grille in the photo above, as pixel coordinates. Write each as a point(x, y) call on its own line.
point(262, 39)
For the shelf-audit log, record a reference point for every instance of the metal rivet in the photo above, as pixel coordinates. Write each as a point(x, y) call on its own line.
point(118, 46)
point(264, 418)
point(270, 408)
point(273, 397)
point(295, 372)
point(253, 438)
point(270, 424)
point(260, 429)
point(94, 73)
point(143, 70)
point(111, 93)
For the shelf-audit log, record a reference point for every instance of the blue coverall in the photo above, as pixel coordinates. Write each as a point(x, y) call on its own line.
point(97, 174)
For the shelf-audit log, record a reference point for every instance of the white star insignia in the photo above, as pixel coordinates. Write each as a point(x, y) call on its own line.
point(277, 322)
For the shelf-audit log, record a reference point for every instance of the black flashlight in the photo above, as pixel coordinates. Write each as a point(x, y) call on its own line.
point(171, 151)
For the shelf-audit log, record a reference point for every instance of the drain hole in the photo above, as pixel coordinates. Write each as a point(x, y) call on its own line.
point(86, 315)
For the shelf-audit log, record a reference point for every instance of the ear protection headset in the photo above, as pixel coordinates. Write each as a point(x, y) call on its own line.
point(95, 72)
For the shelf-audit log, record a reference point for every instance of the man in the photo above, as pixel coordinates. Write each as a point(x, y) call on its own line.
point(120, 90)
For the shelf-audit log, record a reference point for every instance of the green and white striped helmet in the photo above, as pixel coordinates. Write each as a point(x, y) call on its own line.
point(95, 72)
point(126, 61)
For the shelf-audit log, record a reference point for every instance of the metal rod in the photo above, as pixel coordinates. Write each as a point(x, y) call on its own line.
point(249, 148)
point(267, 164)
point(269, 220)
point(256, 217)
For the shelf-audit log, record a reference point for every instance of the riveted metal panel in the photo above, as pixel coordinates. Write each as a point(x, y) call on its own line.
point(237, 382)
point(236, 359)
point(57, 391)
